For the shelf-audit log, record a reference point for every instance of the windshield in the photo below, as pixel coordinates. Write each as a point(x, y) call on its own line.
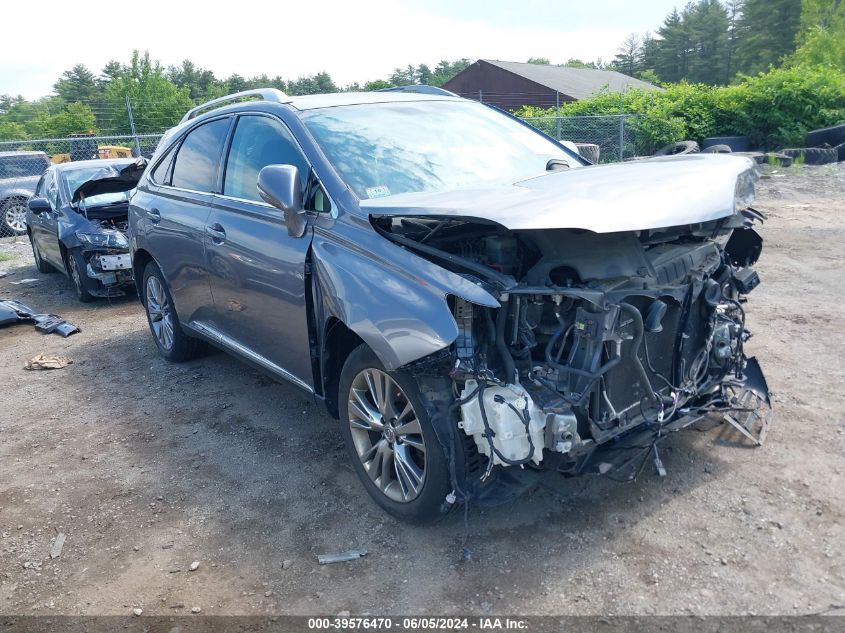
point(385, 149)
point(78, 177)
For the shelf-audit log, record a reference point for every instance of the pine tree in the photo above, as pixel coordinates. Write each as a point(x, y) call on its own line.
point(707, 25)
point(627, 58)
point(766, 31)
point(670, 54)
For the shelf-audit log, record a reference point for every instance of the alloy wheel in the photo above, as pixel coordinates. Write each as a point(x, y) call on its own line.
point(159, 313)
point(387, 435)
point(15, 217)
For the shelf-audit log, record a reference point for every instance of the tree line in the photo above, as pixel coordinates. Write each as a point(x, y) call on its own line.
point(158, 96)
point(716, 42)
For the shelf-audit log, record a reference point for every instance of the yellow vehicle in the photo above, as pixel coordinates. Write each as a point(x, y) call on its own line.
point(83, 147)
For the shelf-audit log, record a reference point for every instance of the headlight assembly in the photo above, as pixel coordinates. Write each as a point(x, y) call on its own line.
point(108, 238)
point(745, 189)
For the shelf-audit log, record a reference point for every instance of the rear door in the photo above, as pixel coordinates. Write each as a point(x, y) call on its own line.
point(175, 212)
point(257, 270)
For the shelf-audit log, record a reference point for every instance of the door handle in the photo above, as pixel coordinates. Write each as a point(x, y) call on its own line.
point(154, 215)
point(217, 233)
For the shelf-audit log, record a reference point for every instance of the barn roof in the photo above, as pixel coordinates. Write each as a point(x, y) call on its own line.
point(579, 83)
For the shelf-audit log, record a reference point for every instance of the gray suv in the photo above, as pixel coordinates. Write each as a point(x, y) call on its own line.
point(478, 305)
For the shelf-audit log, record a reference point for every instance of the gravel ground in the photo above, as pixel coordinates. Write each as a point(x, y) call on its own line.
point(147, 466)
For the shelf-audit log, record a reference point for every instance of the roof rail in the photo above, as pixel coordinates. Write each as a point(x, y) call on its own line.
point(420, 89)
point(266, 94)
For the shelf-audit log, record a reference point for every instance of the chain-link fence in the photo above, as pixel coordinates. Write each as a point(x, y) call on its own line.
point(615, 134)
point(23, 162)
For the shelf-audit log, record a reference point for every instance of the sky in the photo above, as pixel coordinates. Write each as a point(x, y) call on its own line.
point(352, 40)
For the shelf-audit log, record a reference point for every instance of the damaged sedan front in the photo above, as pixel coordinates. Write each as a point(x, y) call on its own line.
point(77, 220)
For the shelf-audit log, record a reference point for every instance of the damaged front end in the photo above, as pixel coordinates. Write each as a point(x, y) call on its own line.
point(105, 251)
point(103, 204)
point(603, 343)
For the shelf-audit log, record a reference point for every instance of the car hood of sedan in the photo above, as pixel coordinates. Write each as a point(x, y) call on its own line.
point(111, 179)
point(637, 195)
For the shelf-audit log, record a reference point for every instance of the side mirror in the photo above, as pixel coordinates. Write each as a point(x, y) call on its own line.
point(39, 205)
point(280, 186)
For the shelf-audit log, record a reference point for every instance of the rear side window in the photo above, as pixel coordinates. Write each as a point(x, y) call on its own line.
point(196, 162)
point(259, 141)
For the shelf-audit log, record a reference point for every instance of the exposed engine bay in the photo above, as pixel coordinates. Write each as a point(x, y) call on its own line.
point(604, 342)
point(105, 248)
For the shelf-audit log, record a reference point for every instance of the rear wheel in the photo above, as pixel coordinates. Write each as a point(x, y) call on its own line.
point(40, 264)
point(13, 214)
point(390, 439)
point(172, 342)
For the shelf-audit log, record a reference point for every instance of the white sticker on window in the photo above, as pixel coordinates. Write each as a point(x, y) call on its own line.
point(378, 192)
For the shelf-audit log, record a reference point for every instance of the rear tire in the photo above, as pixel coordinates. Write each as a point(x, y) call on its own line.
point(170, 339)
point(40, 264)
point(394, 452)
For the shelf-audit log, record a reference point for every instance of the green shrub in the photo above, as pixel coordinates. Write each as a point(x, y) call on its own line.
point(775, 109)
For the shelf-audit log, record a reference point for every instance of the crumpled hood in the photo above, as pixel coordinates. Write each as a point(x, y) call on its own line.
point(638, 195)
point(111, 179)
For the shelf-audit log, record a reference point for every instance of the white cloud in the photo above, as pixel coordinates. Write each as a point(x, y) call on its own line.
point(353, 41)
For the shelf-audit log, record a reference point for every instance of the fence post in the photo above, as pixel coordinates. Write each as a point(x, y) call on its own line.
point(621, 131)
point(136, 151)
point(557, 119)
point(480, 97)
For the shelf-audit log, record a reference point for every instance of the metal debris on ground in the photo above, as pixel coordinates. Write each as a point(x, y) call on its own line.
point(342, 557)
point(58, 544)
point(42, 361)
point(12, 312)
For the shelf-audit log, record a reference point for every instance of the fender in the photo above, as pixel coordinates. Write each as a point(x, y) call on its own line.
point(391, 298)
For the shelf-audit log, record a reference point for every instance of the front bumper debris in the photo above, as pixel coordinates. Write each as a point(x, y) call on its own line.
point(12, 312)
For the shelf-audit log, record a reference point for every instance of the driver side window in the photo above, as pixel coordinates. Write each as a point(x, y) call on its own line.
point(259, 141)
point(52, 191)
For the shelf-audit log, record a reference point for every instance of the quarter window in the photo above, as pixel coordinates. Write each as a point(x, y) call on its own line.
point(161, 174)
point(197, 159)
point(259, 141)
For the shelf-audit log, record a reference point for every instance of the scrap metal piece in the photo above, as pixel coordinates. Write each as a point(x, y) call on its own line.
point(48, 323)
point(342, 557)
point(12, 311)
point(658, 463)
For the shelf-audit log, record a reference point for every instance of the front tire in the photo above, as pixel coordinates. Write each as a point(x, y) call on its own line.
point(77, 269)
point(391, 440)
point(172, 342)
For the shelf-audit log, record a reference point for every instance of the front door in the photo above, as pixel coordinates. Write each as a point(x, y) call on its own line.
point(45, 230)
point(257, 270)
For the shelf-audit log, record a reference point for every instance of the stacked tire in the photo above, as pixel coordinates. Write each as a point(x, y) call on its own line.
point(823, 146)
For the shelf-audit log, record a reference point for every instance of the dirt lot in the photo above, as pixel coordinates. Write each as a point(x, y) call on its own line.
point(148, 466)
